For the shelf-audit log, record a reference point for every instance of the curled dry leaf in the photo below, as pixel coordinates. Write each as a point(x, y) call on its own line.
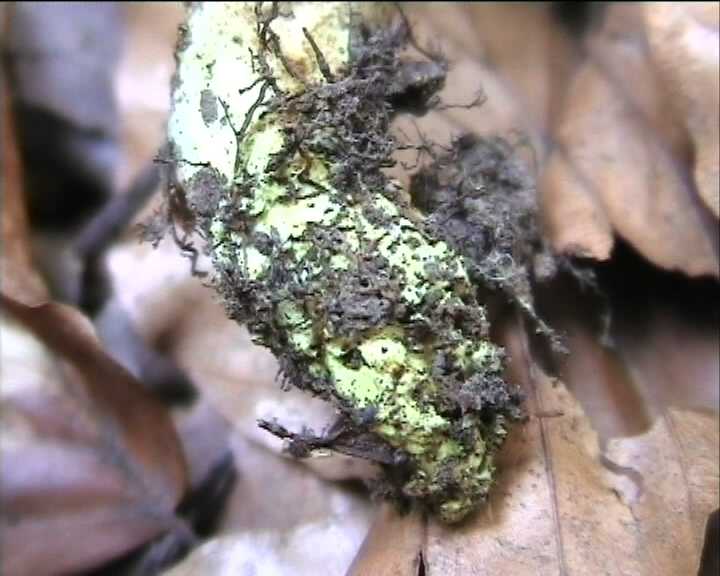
point(92, 466)
point(142, 84)
point(19, 279)
point(622, 157)
point(684, 43)
point(624, 127)
point(529, 52)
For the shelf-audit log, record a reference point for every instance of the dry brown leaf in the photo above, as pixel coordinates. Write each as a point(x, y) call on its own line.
point(516, 55)
point(615, 116)
point(403, 557)
point(523, 61)
point(579, 518)
point(92, 466)
point(143, 81)
point(622, 160)
point(684, 43)
point(677, 461)
point(529, 51)
point(19, 279)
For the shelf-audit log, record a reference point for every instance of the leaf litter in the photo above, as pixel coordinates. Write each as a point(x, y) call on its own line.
point(689, 428)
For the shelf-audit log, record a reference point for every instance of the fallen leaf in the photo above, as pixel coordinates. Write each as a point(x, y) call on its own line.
point(529, 51)
point(92, 466)
point(621, 160)
point(613, 121)
point(684, 44)
point(677, 462)
point(19, 278)
point(403, 558)
point(142, 84)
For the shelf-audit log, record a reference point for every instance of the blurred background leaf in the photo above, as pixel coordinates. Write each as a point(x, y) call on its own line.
point(92, 465)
